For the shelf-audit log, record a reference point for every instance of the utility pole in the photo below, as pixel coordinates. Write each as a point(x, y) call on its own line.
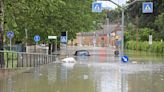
point(1, 30)
point(122, 22)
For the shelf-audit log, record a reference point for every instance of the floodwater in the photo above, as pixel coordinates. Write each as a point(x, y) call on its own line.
point(97, 73)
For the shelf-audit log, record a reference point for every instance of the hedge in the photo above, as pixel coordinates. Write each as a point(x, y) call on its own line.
point(157, 47)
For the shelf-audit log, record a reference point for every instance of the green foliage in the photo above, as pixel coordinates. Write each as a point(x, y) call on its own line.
point(144, 33)
point(153, 20)
point(157, 47)
point(159, 22)
point(114, 15)
point(49, 17)
point(130, 32)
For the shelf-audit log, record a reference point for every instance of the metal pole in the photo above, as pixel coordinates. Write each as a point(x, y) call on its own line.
point(10, 44)
point(26, 38)
point(66, 44)
point(122, 35)
point(56, 46)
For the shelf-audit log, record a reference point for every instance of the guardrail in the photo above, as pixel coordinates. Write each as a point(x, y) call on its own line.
point(10, 59)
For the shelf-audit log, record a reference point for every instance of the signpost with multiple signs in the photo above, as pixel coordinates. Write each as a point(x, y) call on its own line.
point(63, 39)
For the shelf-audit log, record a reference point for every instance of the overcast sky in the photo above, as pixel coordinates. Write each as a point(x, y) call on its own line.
point(109, 4)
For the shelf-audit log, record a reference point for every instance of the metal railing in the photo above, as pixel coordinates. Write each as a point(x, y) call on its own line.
point(9, 59)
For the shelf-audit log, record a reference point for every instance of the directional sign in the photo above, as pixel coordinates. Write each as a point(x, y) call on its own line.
point(36, 38)
point(10, 34)
point(147, 7)
point(125, 59)
point(96, 7)
point(63, 39)
point(52, 37)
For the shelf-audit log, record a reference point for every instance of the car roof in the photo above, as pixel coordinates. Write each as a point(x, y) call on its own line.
point(81, 50)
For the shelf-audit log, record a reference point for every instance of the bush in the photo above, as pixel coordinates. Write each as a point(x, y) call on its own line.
point(157, 46)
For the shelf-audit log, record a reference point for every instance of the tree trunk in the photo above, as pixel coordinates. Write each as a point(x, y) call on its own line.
point(1, 31)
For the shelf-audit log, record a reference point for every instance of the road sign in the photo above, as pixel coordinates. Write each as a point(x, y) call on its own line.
point(36, 38)
point(52, 37)
point(96, 7)
point(118, 42)
point(125, 59)
point(10, 34)
point(147, 7)
point(150, 39)
point(63, 39)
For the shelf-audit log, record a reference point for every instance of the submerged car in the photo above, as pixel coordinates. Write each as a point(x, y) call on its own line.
point(82, 53)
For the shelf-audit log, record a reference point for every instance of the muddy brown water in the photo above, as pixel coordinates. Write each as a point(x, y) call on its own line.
point(97, 73)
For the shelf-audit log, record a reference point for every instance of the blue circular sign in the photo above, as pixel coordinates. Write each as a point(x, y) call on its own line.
point(10, 34)
point(125, 59)
point(36, 38)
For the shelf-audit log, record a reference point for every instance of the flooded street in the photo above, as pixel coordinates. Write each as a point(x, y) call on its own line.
point(97, 73)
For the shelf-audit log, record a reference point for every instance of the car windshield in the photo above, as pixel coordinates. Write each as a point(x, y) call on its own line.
point(79, 53)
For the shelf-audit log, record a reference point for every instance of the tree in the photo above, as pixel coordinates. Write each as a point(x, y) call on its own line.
point(1, 31)
point(145, 20)
point(49, 17)
point(159, 22)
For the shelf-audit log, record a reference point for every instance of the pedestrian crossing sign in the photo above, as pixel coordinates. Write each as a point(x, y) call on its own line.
point(63, 39)
point(96, 7)
point(147, 7)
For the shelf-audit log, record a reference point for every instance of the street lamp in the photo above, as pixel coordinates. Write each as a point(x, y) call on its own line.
point(122, 20)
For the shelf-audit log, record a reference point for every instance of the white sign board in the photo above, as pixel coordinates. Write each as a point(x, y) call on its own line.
point(150, 39)
point(52, 37)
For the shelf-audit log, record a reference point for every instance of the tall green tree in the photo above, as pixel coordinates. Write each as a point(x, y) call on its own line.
point(159, 22)
point(145, 20)
point(49, 17)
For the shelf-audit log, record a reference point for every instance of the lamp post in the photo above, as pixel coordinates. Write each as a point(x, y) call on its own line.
point(122, 22)
point(123, 76)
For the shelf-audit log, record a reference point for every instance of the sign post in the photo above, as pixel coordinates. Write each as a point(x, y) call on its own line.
point(63, 39)
point(10, 35)
point(36, 39)
point(53, 38)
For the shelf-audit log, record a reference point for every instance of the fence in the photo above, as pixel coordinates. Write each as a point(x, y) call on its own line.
point(10, 59)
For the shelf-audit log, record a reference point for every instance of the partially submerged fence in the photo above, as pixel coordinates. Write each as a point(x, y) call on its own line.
point(10, 59)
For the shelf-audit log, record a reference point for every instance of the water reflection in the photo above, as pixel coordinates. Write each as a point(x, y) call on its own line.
point(9, 83)
point(37, 73)
point(107, 78)
point(52, 73)
point(93, 75)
